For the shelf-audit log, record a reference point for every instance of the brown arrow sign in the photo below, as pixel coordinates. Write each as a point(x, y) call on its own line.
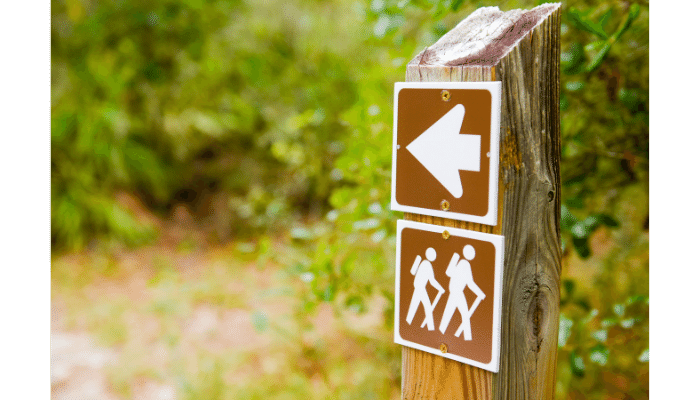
point(445, 151)
point(448, 292)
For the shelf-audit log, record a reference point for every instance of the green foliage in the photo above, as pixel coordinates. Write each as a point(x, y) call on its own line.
point(580, 231)
point(605, 114)
point(177, 101)
point(596, 345)
point(287, 118)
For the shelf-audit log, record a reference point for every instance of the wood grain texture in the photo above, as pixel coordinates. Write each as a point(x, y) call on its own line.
point(529, 206)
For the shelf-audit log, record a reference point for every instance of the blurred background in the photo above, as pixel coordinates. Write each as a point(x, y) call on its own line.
point(220, 185)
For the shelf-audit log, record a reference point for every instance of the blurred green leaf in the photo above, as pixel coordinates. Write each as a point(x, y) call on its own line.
point(578, 367)
point(599, 354)
point(600, 335)
point(581, 246)
point(456, 4)
point(574, 86)
point(619, 309)
point(597, 60)
point(608, 322)
point(569, 287)
point(329, 293)
point(637, 299)
point(356, 303)
point(563, 103)
point(565, 326)
point(581, 21)
point(644, 357)
point(365, 224)
point(301, 233)
point(633, 99)
point(573, 58)
point(627, 323)
point(603, 219)
point(605, 18)
point(567, 219)
point(632, 14)
point(260, 321)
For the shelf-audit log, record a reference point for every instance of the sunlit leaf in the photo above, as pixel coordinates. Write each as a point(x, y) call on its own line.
point(600, 335)
point(619, 309)
point(627, 323)
point(365, 224)
point(565, 325)
point(379, 235)
point(644, 357)
point(301, 233)
point(599, 354)
point(377, 6)
point(574, 85)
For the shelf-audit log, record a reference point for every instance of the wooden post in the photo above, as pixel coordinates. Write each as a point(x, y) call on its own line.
point(521, 49)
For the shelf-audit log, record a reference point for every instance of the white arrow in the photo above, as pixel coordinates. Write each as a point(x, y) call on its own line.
point(443, 151)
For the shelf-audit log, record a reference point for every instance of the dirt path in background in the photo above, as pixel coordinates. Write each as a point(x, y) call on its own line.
point(80, 366)
point(83, 369)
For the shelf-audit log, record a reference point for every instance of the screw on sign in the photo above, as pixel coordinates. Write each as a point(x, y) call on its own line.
point(464, 266)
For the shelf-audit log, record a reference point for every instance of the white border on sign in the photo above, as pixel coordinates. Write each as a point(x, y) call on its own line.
point(498, 242)
point(491, 216)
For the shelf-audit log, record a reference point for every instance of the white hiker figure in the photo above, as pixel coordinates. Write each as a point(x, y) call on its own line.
point(424, 274)
point(460, 274)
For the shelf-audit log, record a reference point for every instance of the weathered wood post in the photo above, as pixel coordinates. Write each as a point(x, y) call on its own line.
point(521, 49)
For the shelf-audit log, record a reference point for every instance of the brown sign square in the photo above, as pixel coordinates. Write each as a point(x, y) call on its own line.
point(422, 182)
point(457, 273)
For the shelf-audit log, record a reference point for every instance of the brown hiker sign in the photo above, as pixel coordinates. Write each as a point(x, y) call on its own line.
point(448, 292)
point(445, 150)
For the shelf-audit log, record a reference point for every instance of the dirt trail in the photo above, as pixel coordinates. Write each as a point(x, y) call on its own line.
point(83, 369)
point(77, 367)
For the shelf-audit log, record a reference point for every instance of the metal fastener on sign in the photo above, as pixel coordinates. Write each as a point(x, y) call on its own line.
point(445, 235)
point(443, 347)
point(445, 205)
point(445, 95)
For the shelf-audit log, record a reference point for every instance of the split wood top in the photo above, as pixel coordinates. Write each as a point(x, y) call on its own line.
point(483, 38)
